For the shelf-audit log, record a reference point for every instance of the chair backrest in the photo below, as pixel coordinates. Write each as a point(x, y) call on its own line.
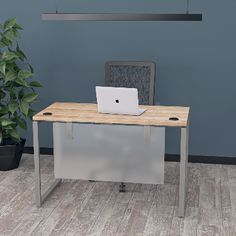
point(133, 74)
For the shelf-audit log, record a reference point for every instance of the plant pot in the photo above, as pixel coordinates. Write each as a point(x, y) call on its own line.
point(10, 154)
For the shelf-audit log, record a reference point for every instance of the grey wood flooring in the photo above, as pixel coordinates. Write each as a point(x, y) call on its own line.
point(97, 208)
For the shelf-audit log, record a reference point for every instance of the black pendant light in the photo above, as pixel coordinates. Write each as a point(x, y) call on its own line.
point(122, 16)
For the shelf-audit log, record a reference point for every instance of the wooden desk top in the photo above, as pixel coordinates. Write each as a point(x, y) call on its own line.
point(87, 113)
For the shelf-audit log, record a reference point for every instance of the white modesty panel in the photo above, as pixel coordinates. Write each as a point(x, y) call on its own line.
point(116, 153)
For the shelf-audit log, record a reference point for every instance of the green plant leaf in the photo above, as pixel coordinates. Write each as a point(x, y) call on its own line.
point(14, 134)
point(2, 94)
point(12, 107)
point(31, 113)
point(35, 84)
point(13, 94)
point(3, 67)
point(10, 50)
point(20, 53)
point(9, 56)
point(21, 82)
point(10, 75)
point(21, 94)
point(24, 107)
point(6, 122)
point(7, 88)
point(9, 34)
point(17, 26)
point(9, 23)
point(31, 68)
point(17, 47)
point(3, 110)
point(2, 45)
point(30, 97)
point(9, 127)
point(21, 122)
point(24, 74)
point(7, 42)
point(16, 34)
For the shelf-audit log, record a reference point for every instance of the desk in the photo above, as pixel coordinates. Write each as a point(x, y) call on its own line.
point(157, 116)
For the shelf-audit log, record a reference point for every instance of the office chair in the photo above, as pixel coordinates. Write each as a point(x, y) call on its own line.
point(132, 74)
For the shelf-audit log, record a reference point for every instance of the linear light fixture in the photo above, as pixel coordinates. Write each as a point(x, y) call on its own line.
point(58, 16)
point(120, 17)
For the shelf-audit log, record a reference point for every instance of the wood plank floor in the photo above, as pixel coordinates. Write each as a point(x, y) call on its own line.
point(97, 208)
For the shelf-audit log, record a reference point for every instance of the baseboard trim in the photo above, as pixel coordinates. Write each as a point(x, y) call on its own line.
point(43, 150)
point(203, 159)
point(168, 157)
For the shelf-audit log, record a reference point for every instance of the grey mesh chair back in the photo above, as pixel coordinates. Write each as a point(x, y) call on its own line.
point(132, 74)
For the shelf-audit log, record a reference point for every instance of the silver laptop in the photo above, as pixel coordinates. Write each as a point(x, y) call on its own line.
point(119, 100)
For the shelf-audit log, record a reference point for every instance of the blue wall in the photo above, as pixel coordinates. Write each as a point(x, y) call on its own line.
point(196, 62)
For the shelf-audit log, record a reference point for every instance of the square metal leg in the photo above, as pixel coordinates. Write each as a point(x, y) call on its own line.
point(38, 192)
point(183, 170)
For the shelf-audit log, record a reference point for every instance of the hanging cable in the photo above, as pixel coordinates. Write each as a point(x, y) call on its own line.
point(56, 6)
point(187, 8)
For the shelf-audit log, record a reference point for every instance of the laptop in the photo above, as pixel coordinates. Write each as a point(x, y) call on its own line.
point(118, 100)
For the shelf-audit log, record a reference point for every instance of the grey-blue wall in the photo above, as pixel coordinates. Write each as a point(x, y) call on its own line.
point(196, 62)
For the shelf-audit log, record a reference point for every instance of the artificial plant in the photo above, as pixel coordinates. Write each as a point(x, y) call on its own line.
point(17, 91)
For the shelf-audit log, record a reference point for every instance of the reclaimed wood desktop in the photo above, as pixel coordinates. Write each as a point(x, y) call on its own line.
point(158, 116)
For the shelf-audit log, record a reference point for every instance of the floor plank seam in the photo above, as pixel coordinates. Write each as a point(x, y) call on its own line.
point(51, 212)
point(173, 211)
point(83, 204)
point(152, 205)
point(95, 221)
point(221, 212)
point(131, 198)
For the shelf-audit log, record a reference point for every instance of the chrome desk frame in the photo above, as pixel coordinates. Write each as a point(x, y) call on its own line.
point(40, 197)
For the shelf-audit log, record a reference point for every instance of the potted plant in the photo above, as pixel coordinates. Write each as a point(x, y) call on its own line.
point(17, 93)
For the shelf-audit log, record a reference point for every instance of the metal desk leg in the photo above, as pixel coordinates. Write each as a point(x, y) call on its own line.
point(183, 170)
point(38, 193)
